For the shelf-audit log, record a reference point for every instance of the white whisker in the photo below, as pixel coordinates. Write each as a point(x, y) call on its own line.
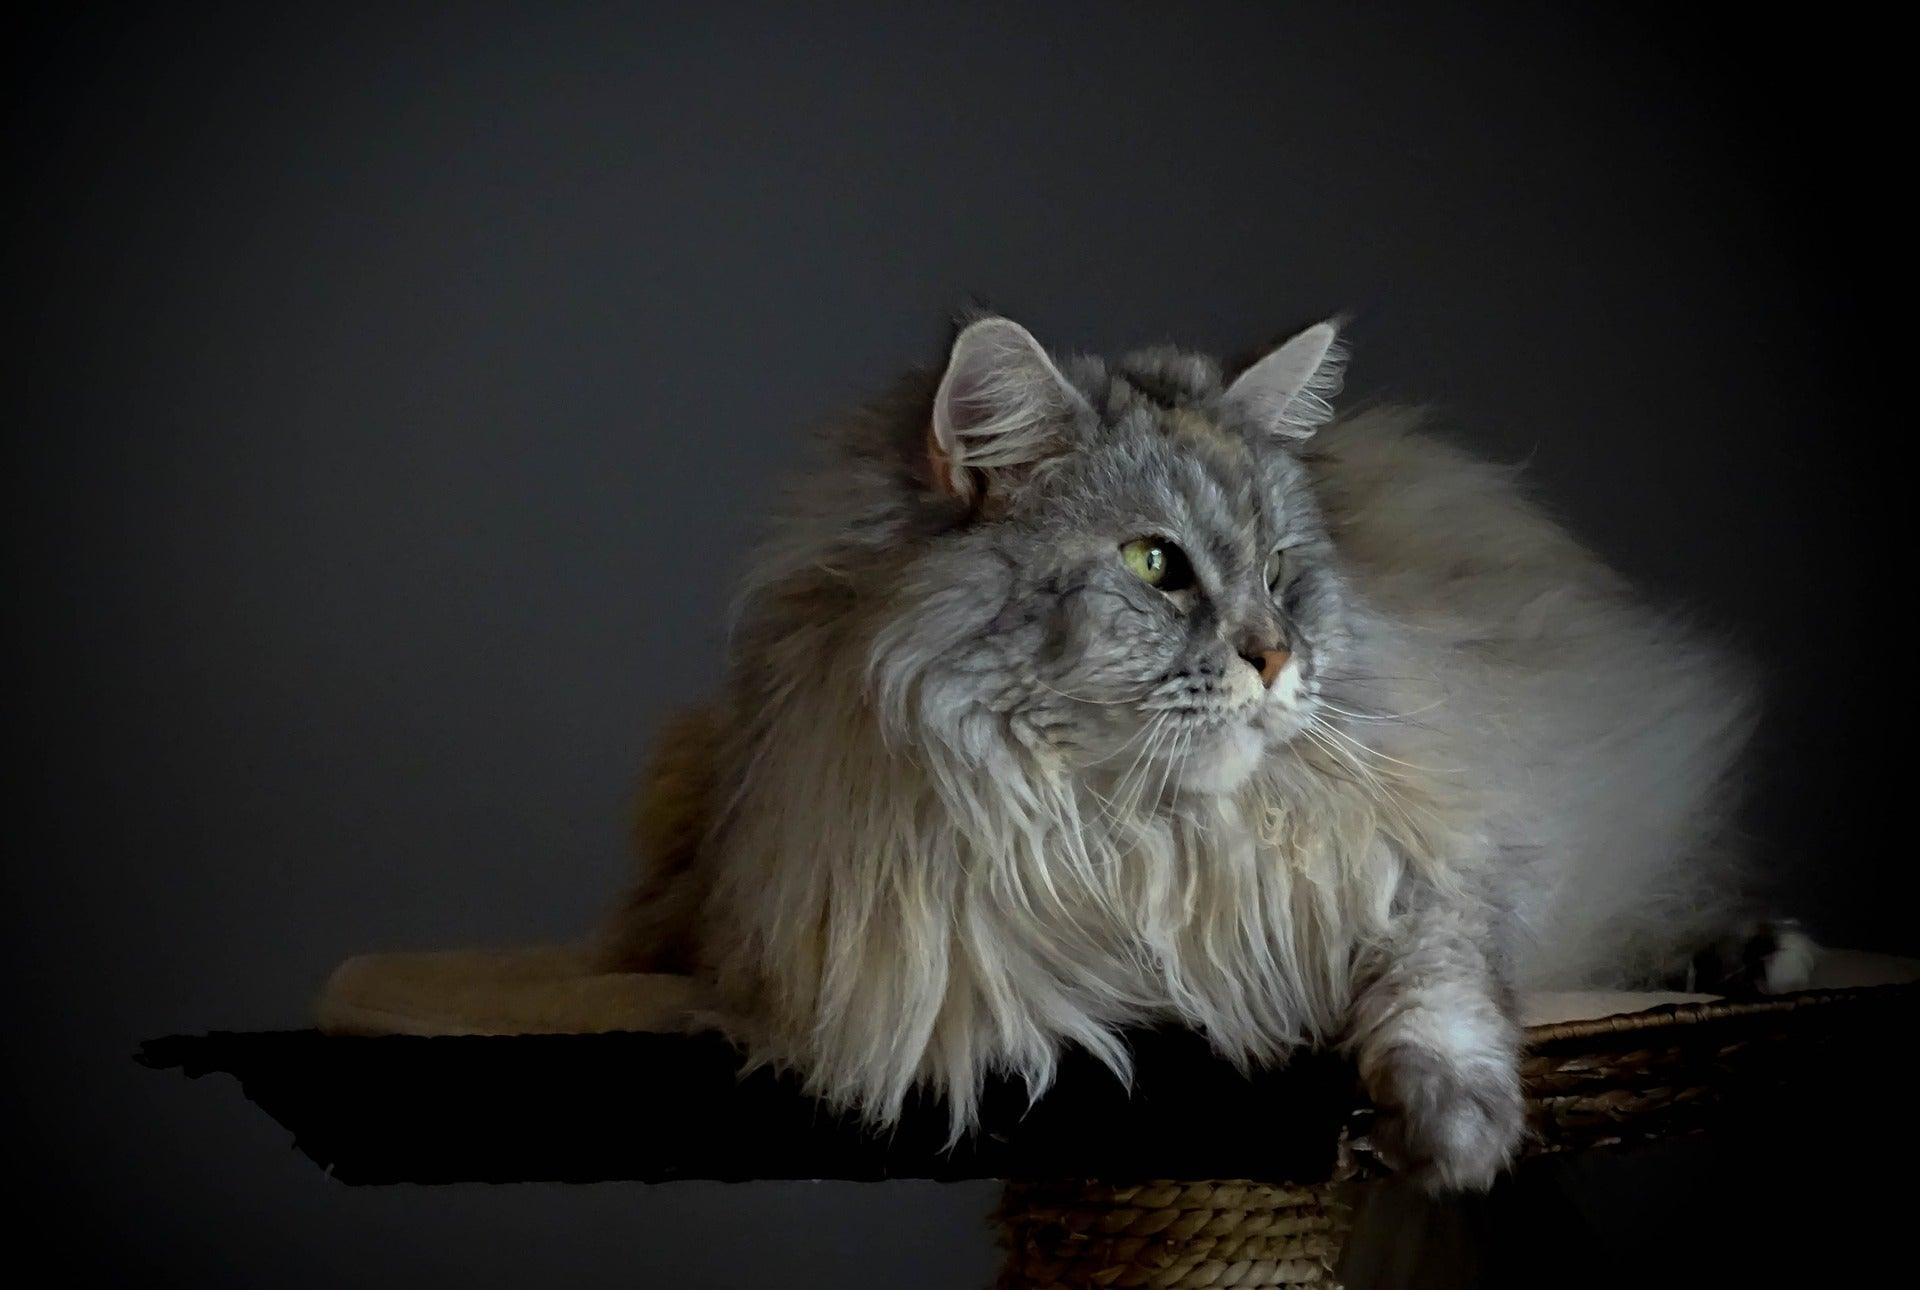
point(1082, 698)
point(1375, 752)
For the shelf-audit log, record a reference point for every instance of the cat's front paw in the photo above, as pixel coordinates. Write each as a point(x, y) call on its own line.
point(1448, 1125)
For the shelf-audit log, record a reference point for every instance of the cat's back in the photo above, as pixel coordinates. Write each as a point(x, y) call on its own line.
point(1486, 581)
point(1426, 526)
point(1608, 728)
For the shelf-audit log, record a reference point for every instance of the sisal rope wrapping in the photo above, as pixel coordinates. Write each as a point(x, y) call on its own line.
point(1653, 1075)
point(1163, 1235)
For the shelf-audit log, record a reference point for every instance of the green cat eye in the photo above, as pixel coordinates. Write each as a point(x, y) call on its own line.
point(1276, 565)
point(1158, 563)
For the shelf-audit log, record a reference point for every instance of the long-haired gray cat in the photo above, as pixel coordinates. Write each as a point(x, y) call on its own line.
point(1077, 694)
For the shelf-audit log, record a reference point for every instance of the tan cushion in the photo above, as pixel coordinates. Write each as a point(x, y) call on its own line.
point(1833, 970)
point(542, 990)
point(551, 989)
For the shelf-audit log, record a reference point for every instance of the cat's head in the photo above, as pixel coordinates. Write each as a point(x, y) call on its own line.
point(1160, 582)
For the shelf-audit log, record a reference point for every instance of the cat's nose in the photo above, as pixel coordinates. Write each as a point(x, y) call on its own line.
point(1267, 662)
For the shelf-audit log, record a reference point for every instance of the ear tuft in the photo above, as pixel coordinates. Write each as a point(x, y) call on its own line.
point(999, 406)
point(1291, 390)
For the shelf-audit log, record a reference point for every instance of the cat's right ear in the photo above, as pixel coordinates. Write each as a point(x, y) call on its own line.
point(1290, 391)
point(999, 407)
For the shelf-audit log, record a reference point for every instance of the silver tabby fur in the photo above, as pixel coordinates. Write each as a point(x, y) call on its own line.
point(982, 793)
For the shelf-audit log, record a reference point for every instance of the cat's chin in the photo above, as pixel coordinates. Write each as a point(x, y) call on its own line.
point(1224, 762)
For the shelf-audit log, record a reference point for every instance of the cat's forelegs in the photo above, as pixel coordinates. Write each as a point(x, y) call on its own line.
point(1438, 1047)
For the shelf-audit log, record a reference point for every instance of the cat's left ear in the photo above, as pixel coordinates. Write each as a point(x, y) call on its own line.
point(1290, 391)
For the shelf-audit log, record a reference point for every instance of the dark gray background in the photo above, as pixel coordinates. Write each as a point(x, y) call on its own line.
point(397, 391)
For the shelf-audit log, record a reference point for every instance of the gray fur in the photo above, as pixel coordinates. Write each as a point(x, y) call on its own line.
point(982, 792)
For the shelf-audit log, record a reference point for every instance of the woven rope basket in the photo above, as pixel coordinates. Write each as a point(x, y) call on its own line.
point(1647, 1076)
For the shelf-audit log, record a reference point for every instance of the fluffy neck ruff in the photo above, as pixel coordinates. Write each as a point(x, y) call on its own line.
point(908, 890)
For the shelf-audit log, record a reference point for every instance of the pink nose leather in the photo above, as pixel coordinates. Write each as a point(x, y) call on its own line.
point(1268, 663)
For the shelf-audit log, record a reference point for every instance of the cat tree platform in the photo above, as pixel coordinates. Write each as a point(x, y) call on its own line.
point(1205, 1176)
